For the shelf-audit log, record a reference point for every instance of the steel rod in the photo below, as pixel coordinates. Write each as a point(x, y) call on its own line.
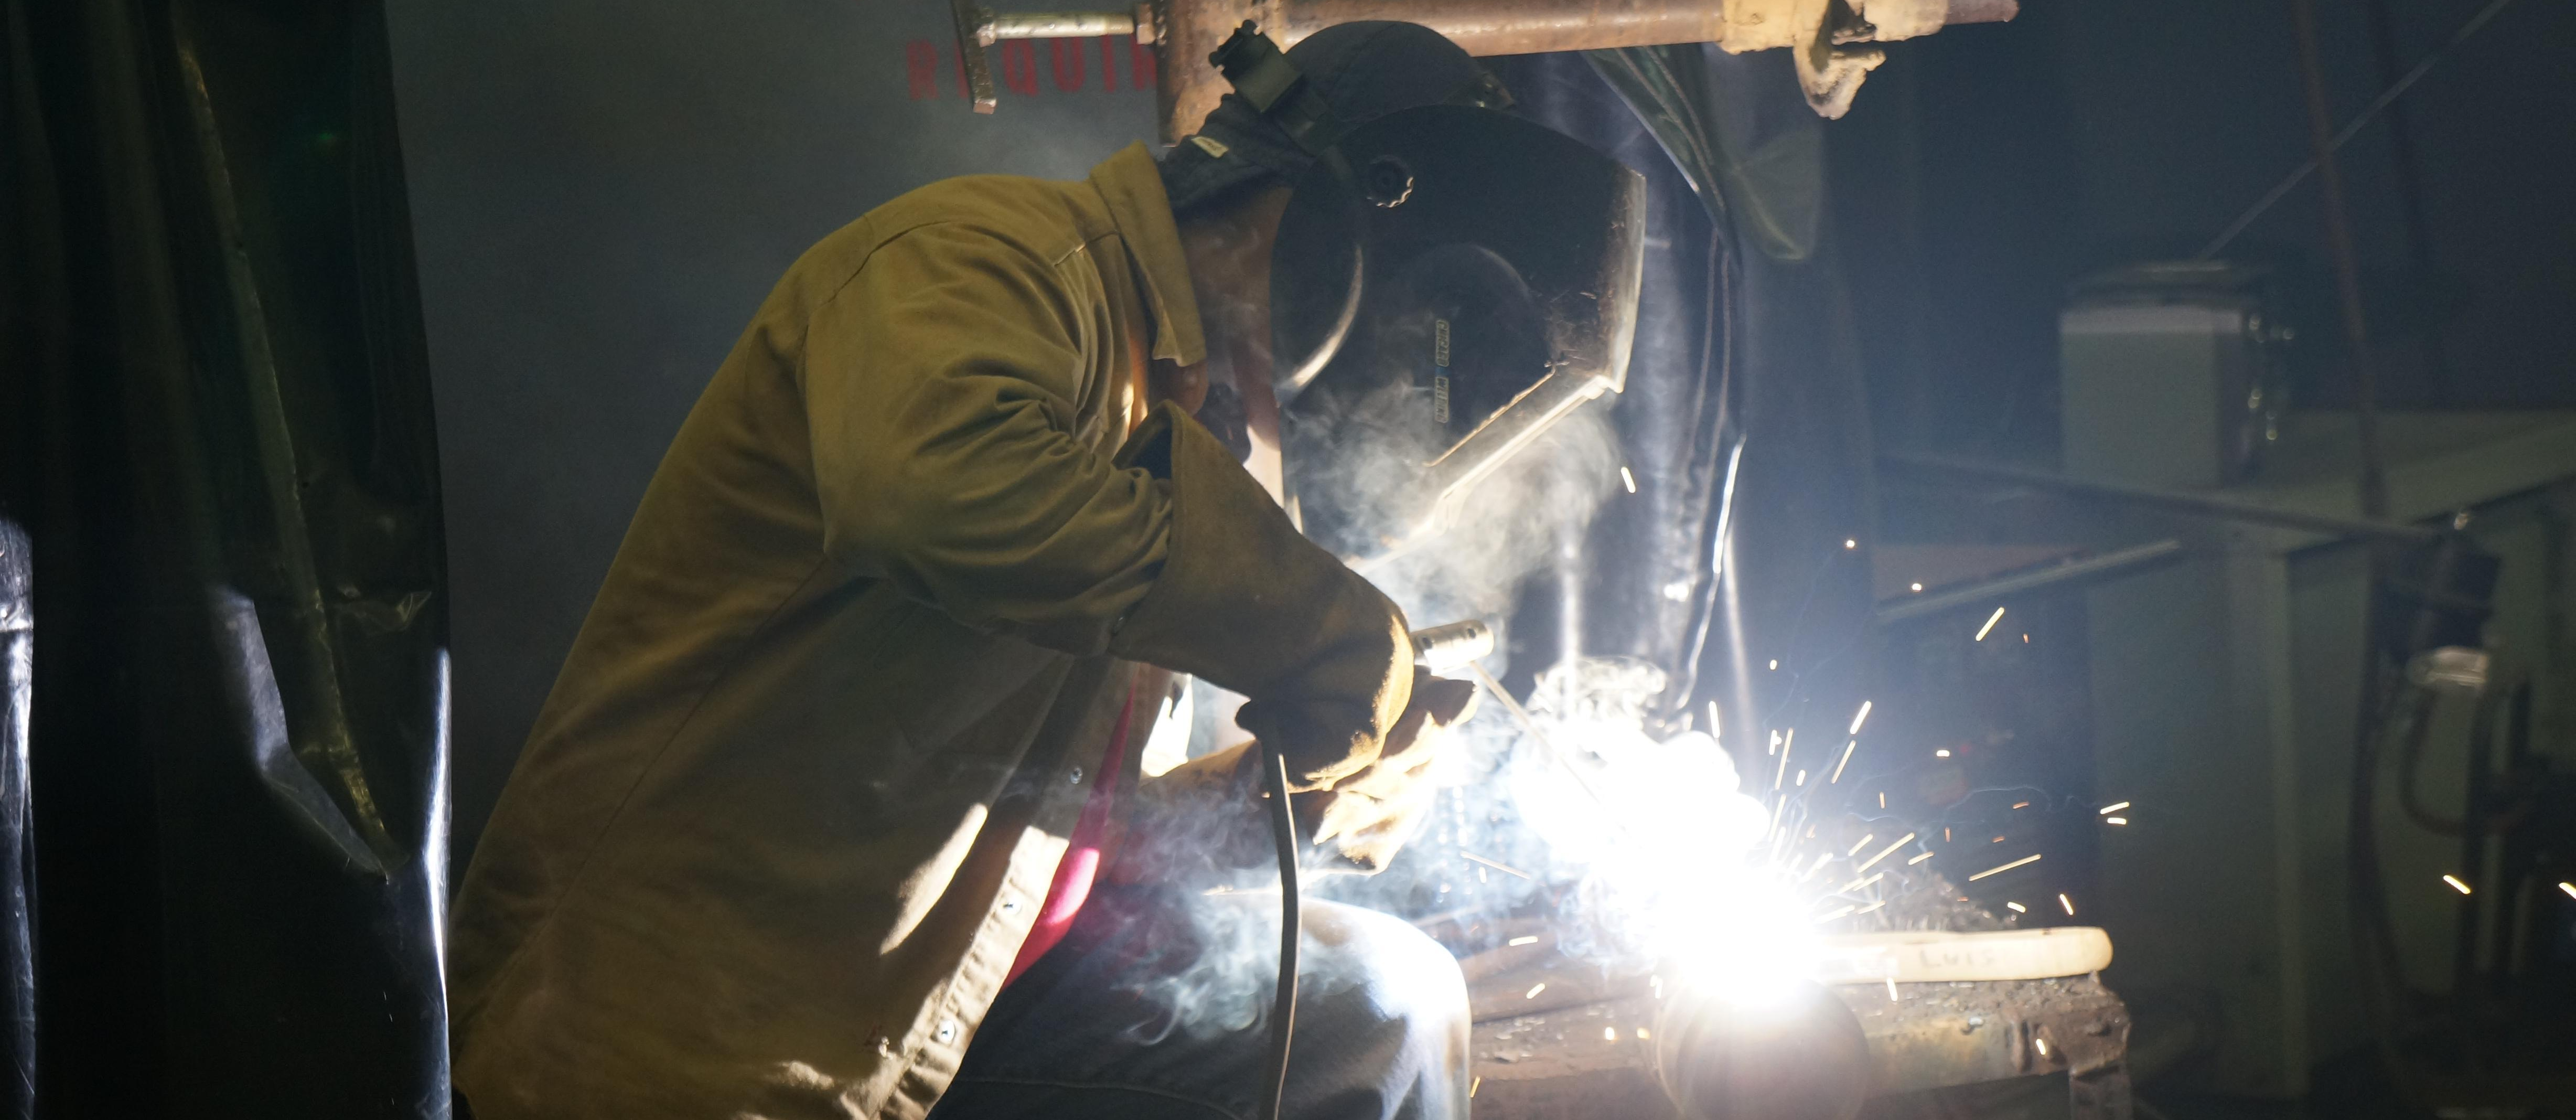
point(2225, 509)
point(2126, 561)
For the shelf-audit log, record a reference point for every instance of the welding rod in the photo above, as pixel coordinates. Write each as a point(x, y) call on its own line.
point(1459, 645)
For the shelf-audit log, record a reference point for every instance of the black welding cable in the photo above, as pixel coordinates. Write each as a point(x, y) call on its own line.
point(1283, 1008)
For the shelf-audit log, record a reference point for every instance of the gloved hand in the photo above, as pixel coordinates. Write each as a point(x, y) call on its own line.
point(1250, 604)
point(1366, 818)
point(1192, 825)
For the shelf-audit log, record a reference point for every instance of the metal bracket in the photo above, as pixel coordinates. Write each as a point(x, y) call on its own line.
point(979, 27)
point(972, 19)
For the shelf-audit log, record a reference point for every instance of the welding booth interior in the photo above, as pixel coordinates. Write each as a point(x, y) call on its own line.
point(2009, 551)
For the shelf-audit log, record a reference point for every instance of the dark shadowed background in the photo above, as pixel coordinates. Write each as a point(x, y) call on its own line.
point(603, 193)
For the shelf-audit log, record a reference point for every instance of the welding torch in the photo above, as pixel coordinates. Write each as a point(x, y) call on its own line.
point(1437, 649)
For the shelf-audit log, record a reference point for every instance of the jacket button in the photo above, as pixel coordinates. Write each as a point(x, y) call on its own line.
point(1077, 775)
point(948, 1030)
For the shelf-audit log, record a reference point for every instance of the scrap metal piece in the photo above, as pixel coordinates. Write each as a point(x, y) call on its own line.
point(1940, 1035)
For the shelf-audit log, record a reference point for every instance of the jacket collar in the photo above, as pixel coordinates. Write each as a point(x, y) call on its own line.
point(1132, 187)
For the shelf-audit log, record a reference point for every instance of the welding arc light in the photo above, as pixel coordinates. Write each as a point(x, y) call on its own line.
point(1803, 1055)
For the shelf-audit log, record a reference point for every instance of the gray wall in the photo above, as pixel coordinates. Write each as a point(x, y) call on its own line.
point(1984, 168)
point(602, 192)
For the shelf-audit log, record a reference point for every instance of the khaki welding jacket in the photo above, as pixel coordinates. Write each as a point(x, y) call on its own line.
point(800, 788)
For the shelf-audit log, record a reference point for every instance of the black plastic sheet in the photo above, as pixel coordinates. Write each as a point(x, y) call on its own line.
point(1744, 419)
point(223, 771)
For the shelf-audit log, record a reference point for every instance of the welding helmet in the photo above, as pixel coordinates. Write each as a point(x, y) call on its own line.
point(1448, 281)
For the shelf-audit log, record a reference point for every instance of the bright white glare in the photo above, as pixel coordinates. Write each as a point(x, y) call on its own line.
point(1849, 543)
point(1629, 479)
point(1668, 849)
point(2570, 888)
point(1915, 586)
point(1989, 627)
point(2456, 884)
point(1942, 753)
point(2115, 820)
point(2107, 810)
point(1861, 716)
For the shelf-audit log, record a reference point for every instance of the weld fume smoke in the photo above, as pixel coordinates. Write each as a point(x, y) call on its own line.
point(1508, 527)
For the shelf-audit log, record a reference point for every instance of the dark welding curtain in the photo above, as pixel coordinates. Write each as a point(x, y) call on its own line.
point(1743, 419)
point(17, 879)
point(215, 436)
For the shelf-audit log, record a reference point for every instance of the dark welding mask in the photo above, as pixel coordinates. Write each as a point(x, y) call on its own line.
point(1448, 282)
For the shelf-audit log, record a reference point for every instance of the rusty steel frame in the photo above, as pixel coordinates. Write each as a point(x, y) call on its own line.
point(1830, 37)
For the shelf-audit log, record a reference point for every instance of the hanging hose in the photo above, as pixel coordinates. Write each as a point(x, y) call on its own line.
point(2410, 766)
point(1437, 649)
point(1283, 1007)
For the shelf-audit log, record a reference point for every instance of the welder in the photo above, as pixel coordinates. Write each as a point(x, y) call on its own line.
point(835, 808)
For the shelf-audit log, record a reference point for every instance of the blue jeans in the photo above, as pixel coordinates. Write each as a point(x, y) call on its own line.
point(1157, 1004)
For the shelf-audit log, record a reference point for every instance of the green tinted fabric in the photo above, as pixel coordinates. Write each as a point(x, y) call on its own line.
point(789, 812)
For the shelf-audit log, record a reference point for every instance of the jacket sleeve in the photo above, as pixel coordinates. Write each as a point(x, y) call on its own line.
point(943, 384)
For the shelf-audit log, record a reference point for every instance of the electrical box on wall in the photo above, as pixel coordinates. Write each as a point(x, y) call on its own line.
point(2172, 374)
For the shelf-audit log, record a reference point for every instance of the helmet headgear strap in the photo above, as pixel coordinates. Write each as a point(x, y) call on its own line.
point(1261, 74)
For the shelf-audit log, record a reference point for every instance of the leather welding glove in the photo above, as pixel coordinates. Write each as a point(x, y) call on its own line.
point(1190, 827)
point(1249, 603)
point(1365, 819)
